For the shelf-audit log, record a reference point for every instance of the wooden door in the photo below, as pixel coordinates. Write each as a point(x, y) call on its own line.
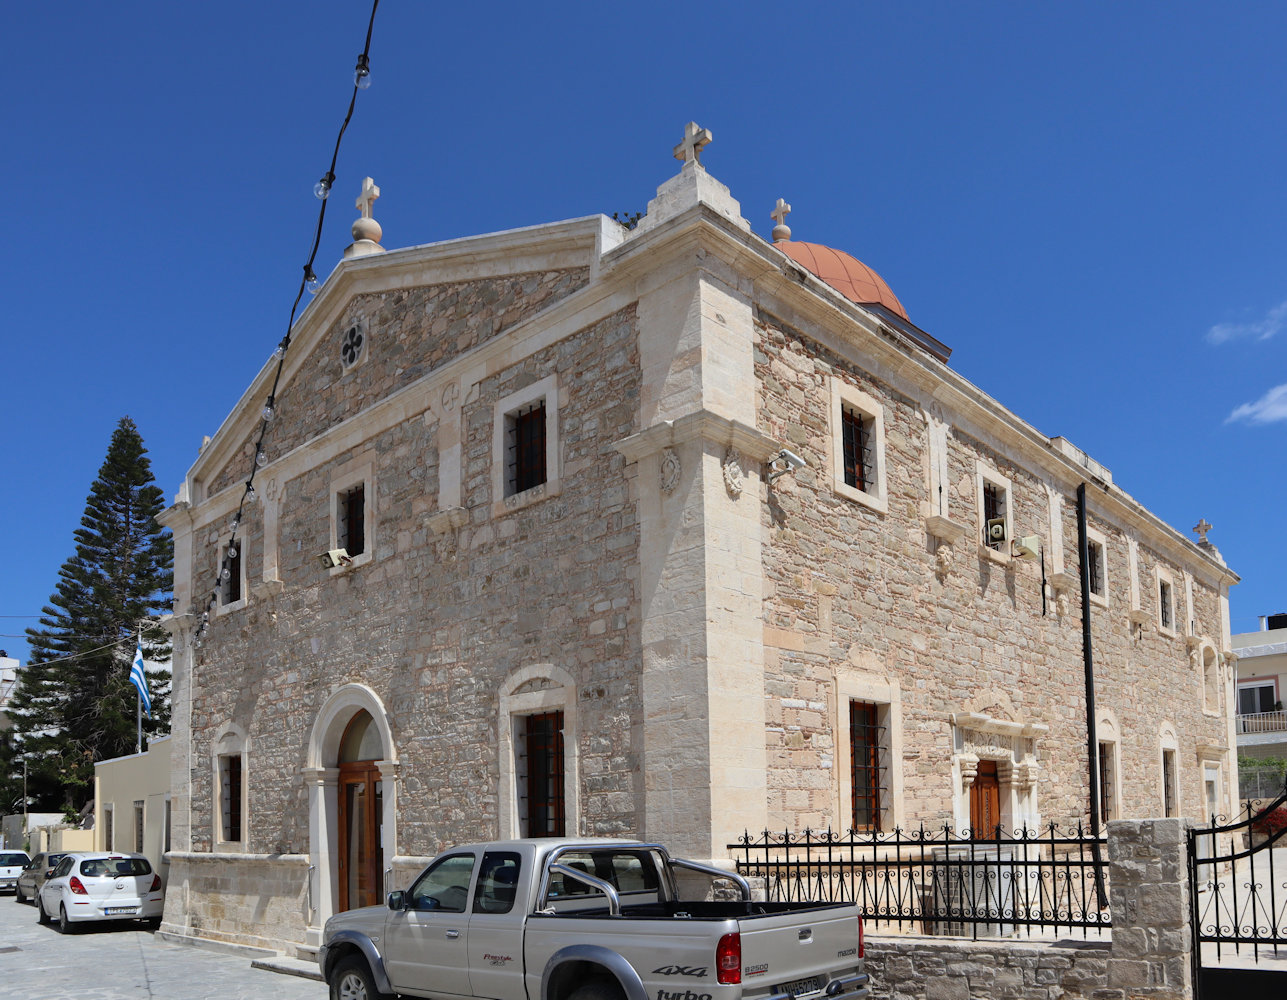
point(985, 802)
point(361, 853)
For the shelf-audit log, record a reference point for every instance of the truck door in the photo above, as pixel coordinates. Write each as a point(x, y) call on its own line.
point(425, 944)
point(496, 928)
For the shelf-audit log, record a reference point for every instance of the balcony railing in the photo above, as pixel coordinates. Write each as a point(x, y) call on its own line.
point(1263, 722)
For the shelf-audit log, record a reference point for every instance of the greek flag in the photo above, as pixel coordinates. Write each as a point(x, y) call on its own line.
point(139, 680)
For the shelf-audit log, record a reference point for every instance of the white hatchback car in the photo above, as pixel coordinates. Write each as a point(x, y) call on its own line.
point(11, 866)
point(101, 886)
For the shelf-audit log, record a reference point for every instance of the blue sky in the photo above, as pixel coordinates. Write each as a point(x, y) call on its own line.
point(1085, 201)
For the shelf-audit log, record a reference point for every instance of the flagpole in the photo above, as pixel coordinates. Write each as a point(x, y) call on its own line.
point(138, 708)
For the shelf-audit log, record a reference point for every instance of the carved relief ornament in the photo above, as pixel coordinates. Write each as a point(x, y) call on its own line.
point(670, 470)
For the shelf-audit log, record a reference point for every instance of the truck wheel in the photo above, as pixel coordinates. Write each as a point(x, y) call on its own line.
point(352, 980)
point(600, 989)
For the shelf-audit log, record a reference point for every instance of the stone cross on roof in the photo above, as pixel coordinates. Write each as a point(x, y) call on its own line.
point(1201, 529)
point(781, 231)
point(694, 139)
point(367, 198)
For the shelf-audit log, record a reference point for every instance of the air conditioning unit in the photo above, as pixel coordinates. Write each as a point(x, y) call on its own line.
point(996, 530)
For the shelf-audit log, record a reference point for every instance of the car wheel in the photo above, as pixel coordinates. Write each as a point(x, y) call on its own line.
point(351, 980)
point(65, 926)
point(599, 989)
point(17, 894)
point(41, 916)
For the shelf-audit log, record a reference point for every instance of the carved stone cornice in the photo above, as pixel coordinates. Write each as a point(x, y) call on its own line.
point(700, 425)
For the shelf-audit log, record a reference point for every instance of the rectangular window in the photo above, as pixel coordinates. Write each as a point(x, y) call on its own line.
point(1165, 607)
point(230, 783)
point(994, 533)
point(350, 520)
point(138, 826)
point(540, 773)
point(1107, 782)
point(1256, 698)
point(1170, 786)
point(108, 817)
point(230, 585)
point(525, 448)
point(1095, 566)
point(165, 840)
point(856, 439)
point(865, 771)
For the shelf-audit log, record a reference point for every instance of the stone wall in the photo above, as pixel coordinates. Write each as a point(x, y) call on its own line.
point(853, 591)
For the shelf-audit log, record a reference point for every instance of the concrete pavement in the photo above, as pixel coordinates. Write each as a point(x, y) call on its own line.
point(126, 962)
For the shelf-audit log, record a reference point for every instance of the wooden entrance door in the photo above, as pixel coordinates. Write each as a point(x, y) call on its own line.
point(361, 853)
point(985, 801)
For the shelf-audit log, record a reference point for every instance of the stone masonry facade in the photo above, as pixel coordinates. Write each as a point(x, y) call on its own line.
point(700, 614)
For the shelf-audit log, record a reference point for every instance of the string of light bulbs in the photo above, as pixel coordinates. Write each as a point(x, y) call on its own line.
point(308, 283)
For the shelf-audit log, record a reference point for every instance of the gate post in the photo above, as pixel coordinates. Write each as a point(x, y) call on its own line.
point(1148, 880)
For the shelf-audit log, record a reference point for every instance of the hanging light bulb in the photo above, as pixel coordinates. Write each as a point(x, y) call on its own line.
point(281, 347)
point(236, 521)
point(362, 72)
point(260, 458)
point(310, 280)
point(269, 411)
point(232, 552)
point(251, 495)
point(322, 188)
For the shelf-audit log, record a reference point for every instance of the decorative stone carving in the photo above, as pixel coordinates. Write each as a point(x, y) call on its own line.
point(1061, 604)
point(943, 557)
point(670, 470)
point(734, 476)
point(969, 768)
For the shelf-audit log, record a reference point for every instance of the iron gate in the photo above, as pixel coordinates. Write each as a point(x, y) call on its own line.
point(1238, 901)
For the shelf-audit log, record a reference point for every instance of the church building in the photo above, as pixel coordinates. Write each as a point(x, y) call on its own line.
point(660, 530)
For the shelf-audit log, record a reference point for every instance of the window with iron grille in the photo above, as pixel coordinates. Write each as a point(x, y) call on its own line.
point(993, 510)
point(540, 774)
point(138, 825)
point(109, 815)
point(230, 783)
point(1095, 566)
point(866, 774)
point(525, 448)
point(856, 438)
point(230, 585)
point(350, 520)
point(1107, 782)
point(1166, 613)
point(1169, 784)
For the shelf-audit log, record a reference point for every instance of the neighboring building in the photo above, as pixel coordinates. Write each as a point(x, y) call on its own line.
point(1262, 689)
point(533, 553)
point(8, 681)
point(132, 803)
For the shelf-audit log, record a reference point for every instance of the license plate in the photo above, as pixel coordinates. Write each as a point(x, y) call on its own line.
point(120, 909)
point(800, 986)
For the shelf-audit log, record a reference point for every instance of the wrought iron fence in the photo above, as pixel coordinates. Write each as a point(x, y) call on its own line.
point(1238, 880)
point(942, 881)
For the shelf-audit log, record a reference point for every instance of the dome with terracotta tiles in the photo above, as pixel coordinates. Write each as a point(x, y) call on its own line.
point(848, 275)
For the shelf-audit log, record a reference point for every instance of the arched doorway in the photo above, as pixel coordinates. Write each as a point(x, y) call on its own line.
point(361, 810)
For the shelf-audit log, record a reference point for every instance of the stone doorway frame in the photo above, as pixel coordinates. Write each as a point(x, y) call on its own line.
point(321, 779)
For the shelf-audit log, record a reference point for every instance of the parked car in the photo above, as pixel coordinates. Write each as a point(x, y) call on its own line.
point(101, 886)
point(599, 919)
point(11, 866)
point(34, 874)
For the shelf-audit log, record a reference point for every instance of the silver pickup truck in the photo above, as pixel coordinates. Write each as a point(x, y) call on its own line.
point(589, 919)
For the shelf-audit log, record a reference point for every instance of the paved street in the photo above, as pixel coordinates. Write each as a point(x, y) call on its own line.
point(122, 962)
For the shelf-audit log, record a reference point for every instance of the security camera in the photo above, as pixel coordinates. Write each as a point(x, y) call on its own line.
point(335, 557)
point(792, 460)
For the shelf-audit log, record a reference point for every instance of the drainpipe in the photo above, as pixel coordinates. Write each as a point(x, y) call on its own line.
point(1092, 740)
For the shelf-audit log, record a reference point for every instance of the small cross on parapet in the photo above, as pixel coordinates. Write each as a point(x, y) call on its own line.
point(1200, 529)
point(781, 231)
point(366, 199)
point(695, 138)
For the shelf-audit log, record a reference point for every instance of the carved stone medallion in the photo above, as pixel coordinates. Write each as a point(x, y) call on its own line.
point(670, 470)
point(734, 475)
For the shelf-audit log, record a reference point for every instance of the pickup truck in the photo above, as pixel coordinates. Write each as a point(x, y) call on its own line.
point(594, 919)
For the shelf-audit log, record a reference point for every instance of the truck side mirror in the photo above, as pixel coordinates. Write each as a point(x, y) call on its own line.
point(396, 900)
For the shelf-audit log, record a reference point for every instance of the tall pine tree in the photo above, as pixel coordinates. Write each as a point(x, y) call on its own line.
point(74, 703)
